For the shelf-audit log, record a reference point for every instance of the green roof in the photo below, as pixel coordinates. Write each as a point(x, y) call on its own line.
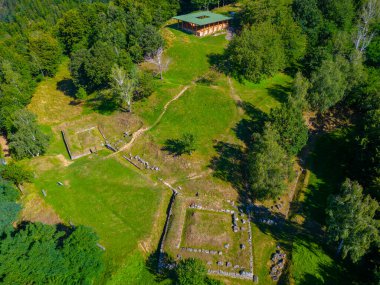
point(202, 18)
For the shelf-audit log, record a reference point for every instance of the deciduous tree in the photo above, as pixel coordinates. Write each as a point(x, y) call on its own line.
point(191, 272)
point(45, 53)
point(26, 138)
point(16, 173)
point(268, 166)
point(124, 86)
point(256, 53)
point(159, 60)
point(328, 84)
point(350, 221)
point(289, 122)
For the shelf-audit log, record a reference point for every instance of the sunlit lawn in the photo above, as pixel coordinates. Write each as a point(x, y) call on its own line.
point(202, 111)
point(118, 203)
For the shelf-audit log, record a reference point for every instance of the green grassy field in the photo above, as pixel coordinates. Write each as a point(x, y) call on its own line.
point(267, 94)
point(125, 209)
point(202, 111)
point(108, 196)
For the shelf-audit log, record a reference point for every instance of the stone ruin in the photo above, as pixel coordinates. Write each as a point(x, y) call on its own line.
point(201, 250)
point(268, 221)
point(143, 162)
point(278, 264)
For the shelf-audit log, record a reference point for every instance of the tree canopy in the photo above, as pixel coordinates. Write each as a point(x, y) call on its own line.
point(350, 221)
point(269, 165)
point(193, 272)
point(256, 53)
point(289, 122)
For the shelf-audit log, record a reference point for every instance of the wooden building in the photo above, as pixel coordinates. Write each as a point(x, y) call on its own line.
point(202, 23)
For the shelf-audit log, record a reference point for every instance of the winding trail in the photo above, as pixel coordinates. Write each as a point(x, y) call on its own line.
point(141, 131)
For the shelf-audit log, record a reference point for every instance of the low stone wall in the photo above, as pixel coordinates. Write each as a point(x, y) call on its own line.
point(200, 207)
point(66, 145)
point(161, 261)
point(199, 250)
point(243, 275)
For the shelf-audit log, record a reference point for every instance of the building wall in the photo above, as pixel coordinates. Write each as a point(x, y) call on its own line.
point(205, 30)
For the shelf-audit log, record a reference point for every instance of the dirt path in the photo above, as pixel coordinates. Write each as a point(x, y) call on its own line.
point(4, 145)
point(167, 105)
point(236, 97)
point(141, 131)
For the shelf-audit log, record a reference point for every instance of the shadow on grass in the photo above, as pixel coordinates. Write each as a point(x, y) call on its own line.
point(286, 232)
point(219, 62)
point(253, 124)
point(279, 92)
point(328, 275)
point(177, 147)
point(67, 87)
point(229, 164)
point(327, 163)
point(103, 104)
point(151, 264)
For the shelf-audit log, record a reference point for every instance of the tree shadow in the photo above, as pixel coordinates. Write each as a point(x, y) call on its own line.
point(103, 103)
point(151, 264)
point(218, 61)
point(327, 163)
point(329, 274)
point(253, 124)
point(279, 92)
point(175, 147)
point(229, 164)
point(67, 87)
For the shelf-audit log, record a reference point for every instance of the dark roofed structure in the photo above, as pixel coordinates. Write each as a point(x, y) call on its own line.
point(203, 23)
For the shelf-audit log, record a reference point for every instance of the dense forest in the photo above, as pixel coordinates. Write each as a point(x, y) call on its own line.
point(330, 47)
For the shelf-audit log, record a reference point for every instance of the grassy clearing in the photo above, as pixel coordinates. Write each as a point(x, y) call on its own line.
point(105, 195)
point(150, 109)
point(202, 111)
point(191, 56)
point(119, 203)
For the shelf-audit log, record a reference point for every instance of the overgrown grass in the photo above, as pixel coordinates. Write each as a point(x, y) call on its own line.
point(206, 230)
point(191, 56)
point(53, 100)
